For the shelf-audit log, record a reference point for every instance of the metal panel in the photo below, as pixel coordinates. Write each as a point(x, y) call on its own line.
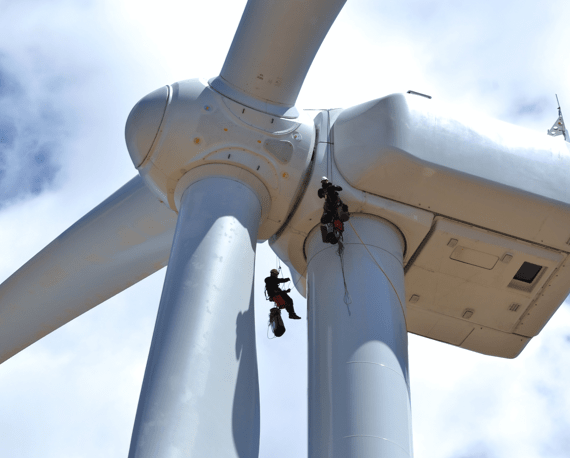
point(474, 169)
point(462, 303)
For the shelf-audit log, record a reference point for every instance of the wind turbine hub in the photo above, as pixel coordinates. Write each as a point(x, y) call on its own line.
point(177, 128)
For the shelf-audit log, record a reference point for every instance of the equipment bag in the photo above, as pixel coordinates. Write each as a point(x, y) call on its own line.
point(276, 322)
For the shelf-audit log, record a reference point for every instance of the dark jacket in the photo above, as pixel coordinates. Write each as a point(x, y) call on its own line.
point(272, 285)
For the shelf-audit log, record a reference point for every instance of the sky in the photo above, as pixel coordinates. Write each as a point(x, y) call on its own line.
point(70, 72)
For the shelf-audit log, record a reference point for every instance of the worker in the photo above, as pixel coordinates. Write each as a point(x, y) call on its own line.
point(335, 212)
point(273, 290)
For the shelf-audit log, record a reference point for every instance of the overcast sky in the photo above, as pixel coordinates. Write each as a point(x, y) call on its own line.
point(71, 70)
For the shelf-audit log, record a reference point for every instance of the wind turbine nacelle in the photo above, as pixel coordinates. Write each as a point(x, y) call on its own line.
point(188, 129)
point(483, 206)
point(494, 267)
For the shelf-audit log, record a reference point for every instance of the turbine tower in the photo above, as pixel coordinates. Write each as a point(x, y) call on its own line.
point(459, 232)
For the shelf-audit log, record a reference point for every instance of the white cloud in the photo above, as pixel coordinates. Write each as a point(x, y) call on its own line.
point(75, 392)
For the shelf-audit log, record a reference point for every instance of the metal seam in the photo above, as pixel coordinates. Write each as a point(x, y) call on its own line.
point(382, 365)
point(381, 438)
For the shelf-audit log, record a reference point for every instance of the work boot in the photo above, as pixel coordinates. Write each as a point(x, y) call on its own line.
point(294, 316)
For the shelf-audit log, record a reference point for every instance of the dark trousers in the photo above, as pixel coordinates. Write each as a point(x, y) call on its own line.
point(288, 302)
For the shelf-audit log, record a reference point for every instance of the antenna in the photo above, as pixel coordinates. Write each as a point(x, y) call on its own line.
point(558, 128)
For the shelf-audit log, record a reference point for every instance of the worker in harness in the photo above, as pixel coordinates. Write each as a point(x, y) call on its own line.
point(273, 290)
point(335, 212)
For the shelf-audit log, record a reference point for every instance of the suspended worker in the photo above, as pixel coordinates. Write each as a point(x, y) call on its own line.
point(273, 291)
point(335, 212)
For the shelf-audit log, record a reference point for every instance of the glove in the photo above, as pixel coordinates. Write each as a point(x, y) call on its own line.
point(288, 291)
point(288, 279)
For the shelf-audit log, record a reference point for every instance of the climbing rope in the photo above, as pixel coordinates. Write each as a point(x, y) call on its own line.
point(278, 267)
point(382, 270)
point(347, 298)
point(269, 327)
point(329, 148)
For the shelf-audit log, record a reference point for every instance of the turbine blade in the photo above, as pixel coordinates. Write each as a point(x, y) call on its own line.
point(273, 48)
point(200, 391)
point(118, 243)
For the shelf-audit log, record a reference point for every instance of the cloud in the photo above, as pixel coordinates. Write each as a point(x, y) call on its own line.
point(31, 128)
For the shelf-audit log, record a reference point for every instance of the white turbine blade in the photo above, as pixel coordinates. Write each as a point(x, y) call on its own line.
point(273, 48)
point(200, 392)
point(121, 241)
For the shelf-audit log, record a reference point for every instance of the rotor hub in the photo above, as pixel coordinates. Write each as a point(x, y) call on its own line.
point(180, 127)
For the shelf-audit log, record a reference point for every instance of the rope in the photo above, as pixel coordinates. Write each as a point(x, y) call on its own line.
point(301, 276)
point(268, 326)
point(329, 147)
point(380, 267)
point(347, 298)
point(278, 267)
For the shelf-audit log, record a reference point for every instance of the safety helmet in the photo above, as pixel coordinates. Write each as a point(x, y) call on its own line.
point(275, 271)
point(324, 179)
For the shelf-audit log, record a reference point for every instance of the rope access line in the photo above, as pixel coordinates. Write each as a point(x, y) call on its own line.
point(329, 147)
point(347, 298)
point(387, 277)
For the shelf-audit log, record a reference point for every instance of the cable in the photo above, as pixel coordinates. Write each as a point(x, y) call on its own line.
point(268, 327)
point(347, 298)
point(388, 278)
point(329, 147)
point(300, 276)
